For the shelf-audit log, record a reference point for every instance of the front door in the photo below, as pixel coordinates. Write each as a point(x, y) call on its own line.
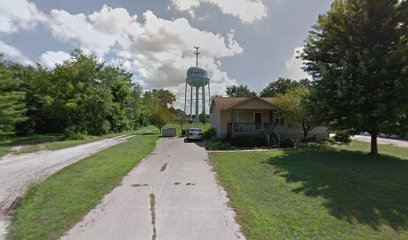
point(258, 121)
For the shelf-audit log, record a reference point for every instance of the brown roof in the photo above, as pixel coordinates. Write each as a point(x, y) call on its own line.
point(224, 103)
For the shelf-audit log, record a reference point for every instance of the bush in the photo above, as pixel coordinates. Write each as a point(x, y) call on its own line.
point(288, 143)
point(210, 133)
point(73, 133)
point(218, 144)
point(342, 136)
point(248, 142)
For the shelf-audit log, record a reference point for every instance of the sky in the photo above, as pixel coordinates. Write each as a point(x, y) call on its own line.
point(251, 42)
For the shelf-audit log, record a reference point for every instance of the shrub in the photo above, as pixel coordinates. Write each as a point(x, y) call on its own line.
point(218, 144)
point(288, 143)
point(342, 136)
point(248, 142)
point(73, 133)
point(209, 133)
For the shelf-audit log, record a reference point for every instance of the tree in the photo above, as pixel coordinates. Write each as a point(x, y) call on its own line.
point(160, 116)
point(282, 86)
point(165, 97)
point(357, 54)
point(294, 105)
point(12, 106)
point(239, 91)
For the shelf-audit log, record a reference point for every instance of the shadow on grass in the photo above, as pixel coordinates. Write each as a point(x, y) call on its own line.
point(357, 187)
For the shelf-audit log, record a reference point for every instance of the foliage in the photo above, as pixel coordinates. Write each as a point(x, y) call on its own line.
point(287, 143)
point(342, 136)
point(81, 95)
point(218, 144)
point(12, 106)
point(203, 118)
point(239, 91)
point(282, 86)
point(248, 141)
point(73, 133)
point(295, 105)
point(209, 133)
point(357, 54)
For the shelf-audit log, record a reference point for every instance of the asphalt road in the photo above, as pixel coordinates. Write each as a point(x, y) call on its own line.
point(18, 171)
point(172, 194)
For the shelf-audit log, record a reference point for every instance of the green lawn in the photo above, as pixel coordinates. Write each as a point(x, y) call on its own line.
point(342, 193)
point(52, 207)
point(179, 126)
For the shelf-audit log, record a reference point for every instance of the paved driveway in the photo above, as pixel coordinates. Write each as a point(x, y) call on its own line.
point(172, 194)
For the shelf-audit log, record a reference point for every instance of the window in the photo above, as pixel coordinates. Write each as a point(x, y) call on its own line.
point(232, 116)
point(238, 117)
point(241, 117)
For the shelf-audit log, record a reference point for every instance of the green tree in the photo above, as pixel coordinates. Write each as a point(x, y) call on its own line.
point(12, 106)
point(164, 97)
point(357, 54)
point(282, 86)
point(239, 91)
point(294, 105)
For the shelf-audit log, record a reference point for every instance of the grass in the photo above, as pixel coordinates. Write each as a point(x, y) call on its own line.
point(339, 193)
point(6, 142)
point(49, 142)
point(179, 127)
point(54, 206)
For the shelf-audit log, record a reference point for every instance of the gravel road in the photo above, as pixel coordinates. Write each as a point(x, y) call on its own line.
point(18, 171)
point(172, 194)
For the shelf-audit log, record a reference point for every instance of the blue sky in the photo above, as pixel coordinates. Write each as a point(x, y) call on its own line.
point(250, 42)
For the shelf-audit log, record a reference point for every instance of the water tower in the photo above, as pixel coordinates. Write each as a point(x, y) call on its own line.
point(197, 78)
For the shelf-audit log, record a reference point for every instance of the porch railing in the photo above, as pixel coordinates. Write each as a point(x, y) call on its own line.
point(246, 128)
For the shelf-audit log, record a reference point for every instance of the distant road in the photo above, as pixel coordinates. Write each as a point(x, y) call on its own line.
point(396, 142)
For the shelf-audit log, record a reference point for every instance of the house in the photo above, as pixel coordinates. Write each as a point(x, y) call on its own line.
point(255, 116)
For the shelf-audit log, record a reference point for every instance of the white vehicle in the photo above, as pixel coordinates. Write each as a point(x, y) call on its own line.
point(194, 134)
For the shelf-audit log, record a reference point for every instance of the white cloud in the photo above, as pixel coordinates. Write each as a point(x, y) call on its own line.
point(19, 14)
point(246, 10)
point(14, 54)
point(50, 58)
point(294, 65)
point(156, 50)
point(98, 32)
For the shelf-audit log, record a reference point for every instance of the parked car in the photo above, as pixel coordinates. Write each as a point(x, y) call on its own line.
point(194, 134)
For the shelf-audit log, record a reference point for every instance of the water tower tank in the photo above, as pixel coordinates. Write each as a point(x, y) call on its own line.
point(197, 77)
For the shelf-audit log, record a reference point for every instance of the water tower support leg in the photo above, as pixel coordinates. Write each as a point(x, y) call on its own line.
point(197, 105)
point(204, 100)
point(191, 103)
point(185, 99)
point(209, 100)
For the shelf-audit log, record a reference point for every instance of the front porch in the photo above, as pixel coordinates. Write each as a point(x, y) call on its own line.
point(264, 130)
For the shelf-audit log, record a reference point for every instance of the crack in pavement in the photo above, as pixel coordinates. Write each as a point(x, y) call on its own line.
point(163, 167)
point(153, 213)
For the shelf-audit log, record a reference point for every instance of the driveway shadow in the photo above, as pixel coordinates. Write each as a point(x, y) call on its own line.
point(200, 143)
point(357, 187)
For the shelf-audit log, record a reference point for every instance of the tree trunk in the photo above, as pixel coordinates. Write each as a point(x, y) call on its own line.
point(374, 147)
point(305, 130)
